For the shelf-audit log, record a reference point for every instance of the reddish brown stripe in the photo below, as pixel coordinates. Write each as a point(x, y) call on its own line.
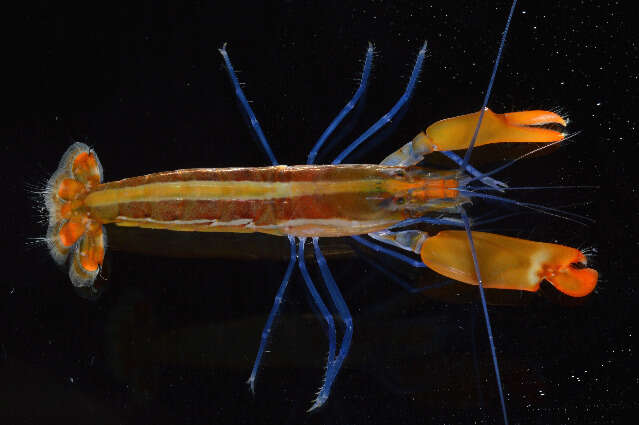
point(344, 206)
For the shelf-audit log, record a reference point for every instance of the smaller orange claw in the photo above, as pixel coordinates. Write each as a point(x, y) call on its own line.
point(514, 127)
point(509, 263)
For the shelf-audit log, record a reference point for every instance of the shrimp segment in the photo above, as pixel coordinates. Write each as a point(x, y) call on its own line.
point(509, 263)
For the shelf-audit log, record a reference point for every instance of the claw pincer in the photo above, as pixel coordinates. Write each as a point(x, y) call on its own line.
point(509, 263)
point(514, 127)
point(505, 262)
point(455, 133)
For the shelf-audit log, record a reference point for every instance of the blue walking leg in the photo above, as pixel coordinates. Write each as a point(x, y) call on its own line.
point(345, 315)
point(378, 248)
point(247, 108)
point(287, 275)
point(401, 282)
point(271, 316)
point(486, 316)
point(326, 315)
point(390, 114)
point(368, 63)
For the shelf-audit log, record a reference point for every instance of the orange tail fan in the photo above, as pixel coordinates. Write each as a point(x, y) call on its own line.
point(71, 230)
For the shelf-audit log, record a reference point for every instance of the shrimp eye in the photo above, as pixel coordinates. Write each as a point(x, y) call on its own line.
point(400, 201)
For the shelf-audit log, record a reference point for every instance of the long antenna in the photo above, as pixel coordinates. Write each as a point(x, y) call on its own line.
point(466, 220)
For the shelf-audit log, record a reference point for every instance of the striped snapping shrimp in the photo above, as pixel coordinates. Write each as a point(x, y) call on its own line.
point(382, 201)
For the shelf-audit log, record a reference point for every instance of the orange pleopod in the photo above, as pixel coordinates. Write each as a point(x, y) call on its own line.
point(509, 263)
point(513, 127)
point(71, 229)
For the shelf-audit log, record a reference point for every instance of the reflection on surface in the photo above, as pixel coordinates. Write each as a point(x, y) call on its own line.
point(258, 246)
point(426, 356)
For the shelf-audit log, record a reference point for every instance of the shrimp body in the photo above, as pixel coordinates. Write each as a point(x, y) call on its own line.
point(328, 200)
point(303, 201)
point(311, 201)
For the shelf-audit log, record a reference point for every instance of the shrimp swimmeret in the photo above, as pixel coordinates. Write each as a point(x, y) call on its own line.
point(312, 201)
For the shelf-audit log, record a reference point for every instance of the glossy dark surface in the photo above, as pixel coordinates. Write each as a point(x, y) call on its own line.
point(173, 336)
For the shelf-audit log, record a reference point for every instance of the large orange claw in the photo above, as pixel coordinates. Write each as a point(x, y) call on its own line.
point(509, 263)
point(514, 127)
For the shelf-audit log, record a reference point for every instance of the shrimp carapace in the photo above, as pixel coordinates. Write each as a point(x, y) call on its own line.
point(509, 263)
point(71, 228)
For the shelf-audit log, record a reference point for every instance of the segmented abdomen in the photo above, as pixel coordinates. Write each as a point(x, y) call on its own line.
point(299, 200)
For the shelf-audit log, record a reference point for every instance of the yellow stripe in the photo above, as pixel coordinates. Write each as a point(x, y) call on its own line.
point(226, 190)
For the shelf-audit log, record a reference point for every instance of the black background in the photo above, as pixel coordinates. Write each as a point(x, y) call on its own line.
point(173, 335)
